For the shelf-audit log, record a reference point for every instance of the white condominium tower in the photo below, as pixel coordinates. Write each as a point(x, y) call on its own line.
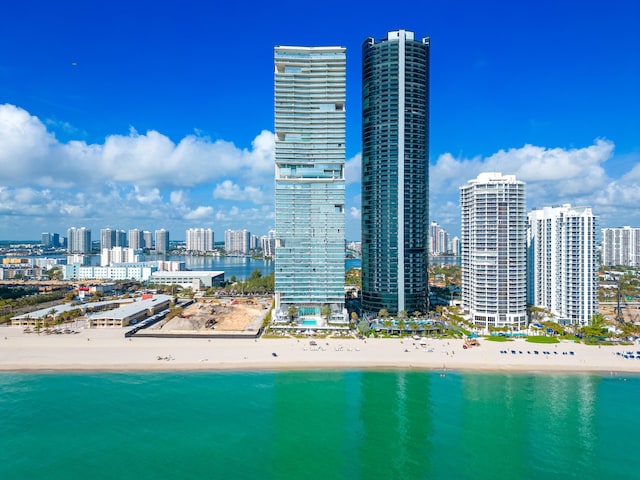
point(562, 263)
point(135, 239)
point(621, 246)
point(79, 240)
point(494, 263)
point(310, 155)
point(162, 241)
point(199, 240)
point(236, 242)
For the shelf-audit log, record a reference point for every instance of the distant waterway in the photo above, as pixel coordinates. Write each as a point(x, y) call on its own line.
point(447, 260)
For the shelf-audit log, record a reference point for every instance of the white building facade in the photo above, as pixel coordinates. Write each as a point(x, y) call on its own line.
point(162, 241)
point(562, 265)
point(135, 240)
point(621, 246)
point(236, 242)
point(494, 263)
point(199, 240)
point(79, 240)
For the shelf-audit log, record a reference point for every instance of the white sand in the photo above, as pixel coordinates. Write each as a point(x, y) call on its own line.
point(107, 349)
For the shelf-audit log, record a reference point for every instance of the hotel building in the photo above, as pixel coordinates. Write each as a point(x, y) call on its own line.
point(310, 187)
point(494, 240)
point(562, 266)
point(395, 173)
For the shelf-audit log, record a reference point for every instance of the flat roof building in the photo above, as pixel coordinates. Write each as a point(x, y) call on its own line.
point(195, 280)
point(309, 111)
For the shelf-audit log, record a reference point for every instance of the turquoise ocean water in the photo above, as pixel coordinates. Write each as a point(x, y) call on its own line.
point(320, 424)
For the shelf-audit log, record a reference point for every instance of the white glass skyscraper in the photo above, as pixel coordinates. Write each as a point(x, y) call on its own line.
point(562, 276)
point(494, 263)
point(310, 154)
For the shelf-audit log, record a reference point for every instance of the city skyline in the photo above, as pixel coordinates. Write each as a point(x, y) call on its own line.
point(151, 128)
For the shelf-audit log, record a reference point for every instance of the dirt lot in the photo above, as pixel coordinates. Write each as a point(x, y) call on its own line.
point(224, 315)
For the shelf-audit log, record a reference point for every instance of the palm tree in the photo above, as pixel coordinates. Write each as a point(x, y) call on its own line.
point(326, 311)
point(292, 311)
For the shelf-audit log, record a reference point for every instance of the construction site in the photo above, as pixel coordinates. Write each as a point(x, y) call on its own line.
point(238, 317)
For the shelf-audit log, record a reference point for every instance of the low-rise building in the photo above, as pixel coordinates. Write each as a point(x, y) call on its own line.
point(195, 280)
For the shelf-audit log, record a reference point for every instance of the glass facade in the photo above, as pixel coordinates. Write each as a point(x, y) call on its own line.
point(395, 173)
point(310, 92)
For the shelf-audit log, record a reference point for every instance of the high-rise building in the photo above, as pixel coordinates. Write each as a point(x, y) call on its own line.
point(310, 94)
point(110, 238)
point(494, 241)
point(147, 238)
point(107, 238)
point(199, 240)
point(456, 246)
point(621, 246)
point(118, 255)
point(162, 241)
point(121, 238)
point(79, 240)
point(395, 173)
point(268, 243)
point(50, 239)
point(236, 242)
point(135, 240)
point(438, 240)
point(562, 266)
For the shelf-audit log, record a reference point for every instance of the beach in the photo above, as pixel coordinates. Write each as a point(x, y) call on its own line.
point(108, 350)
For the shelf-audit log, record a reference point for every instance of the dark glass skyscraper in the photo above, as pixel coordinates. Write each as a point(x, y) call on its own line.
point(395, 173)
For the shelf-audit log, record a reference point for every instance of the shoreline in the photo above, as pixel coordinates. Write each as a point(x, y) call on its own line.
point(107, 350)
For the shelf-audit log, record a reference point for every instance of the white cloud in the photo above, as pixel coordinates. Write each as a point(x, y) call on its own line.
point(353, 169)
point(229, 190)
point(30, 154)
point(178, 198)
point(551, 172)
point(354, 212)
point(129, 180)
point(200, 213)
point(552, 176)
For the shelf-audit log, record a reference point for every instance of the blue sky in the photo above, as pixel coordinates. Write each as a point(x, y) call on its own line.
point(151, 115)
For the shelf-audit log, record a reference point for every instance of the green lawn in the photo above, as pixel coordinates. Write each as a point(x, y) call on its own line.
point(542, 340)
point(496, 338)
